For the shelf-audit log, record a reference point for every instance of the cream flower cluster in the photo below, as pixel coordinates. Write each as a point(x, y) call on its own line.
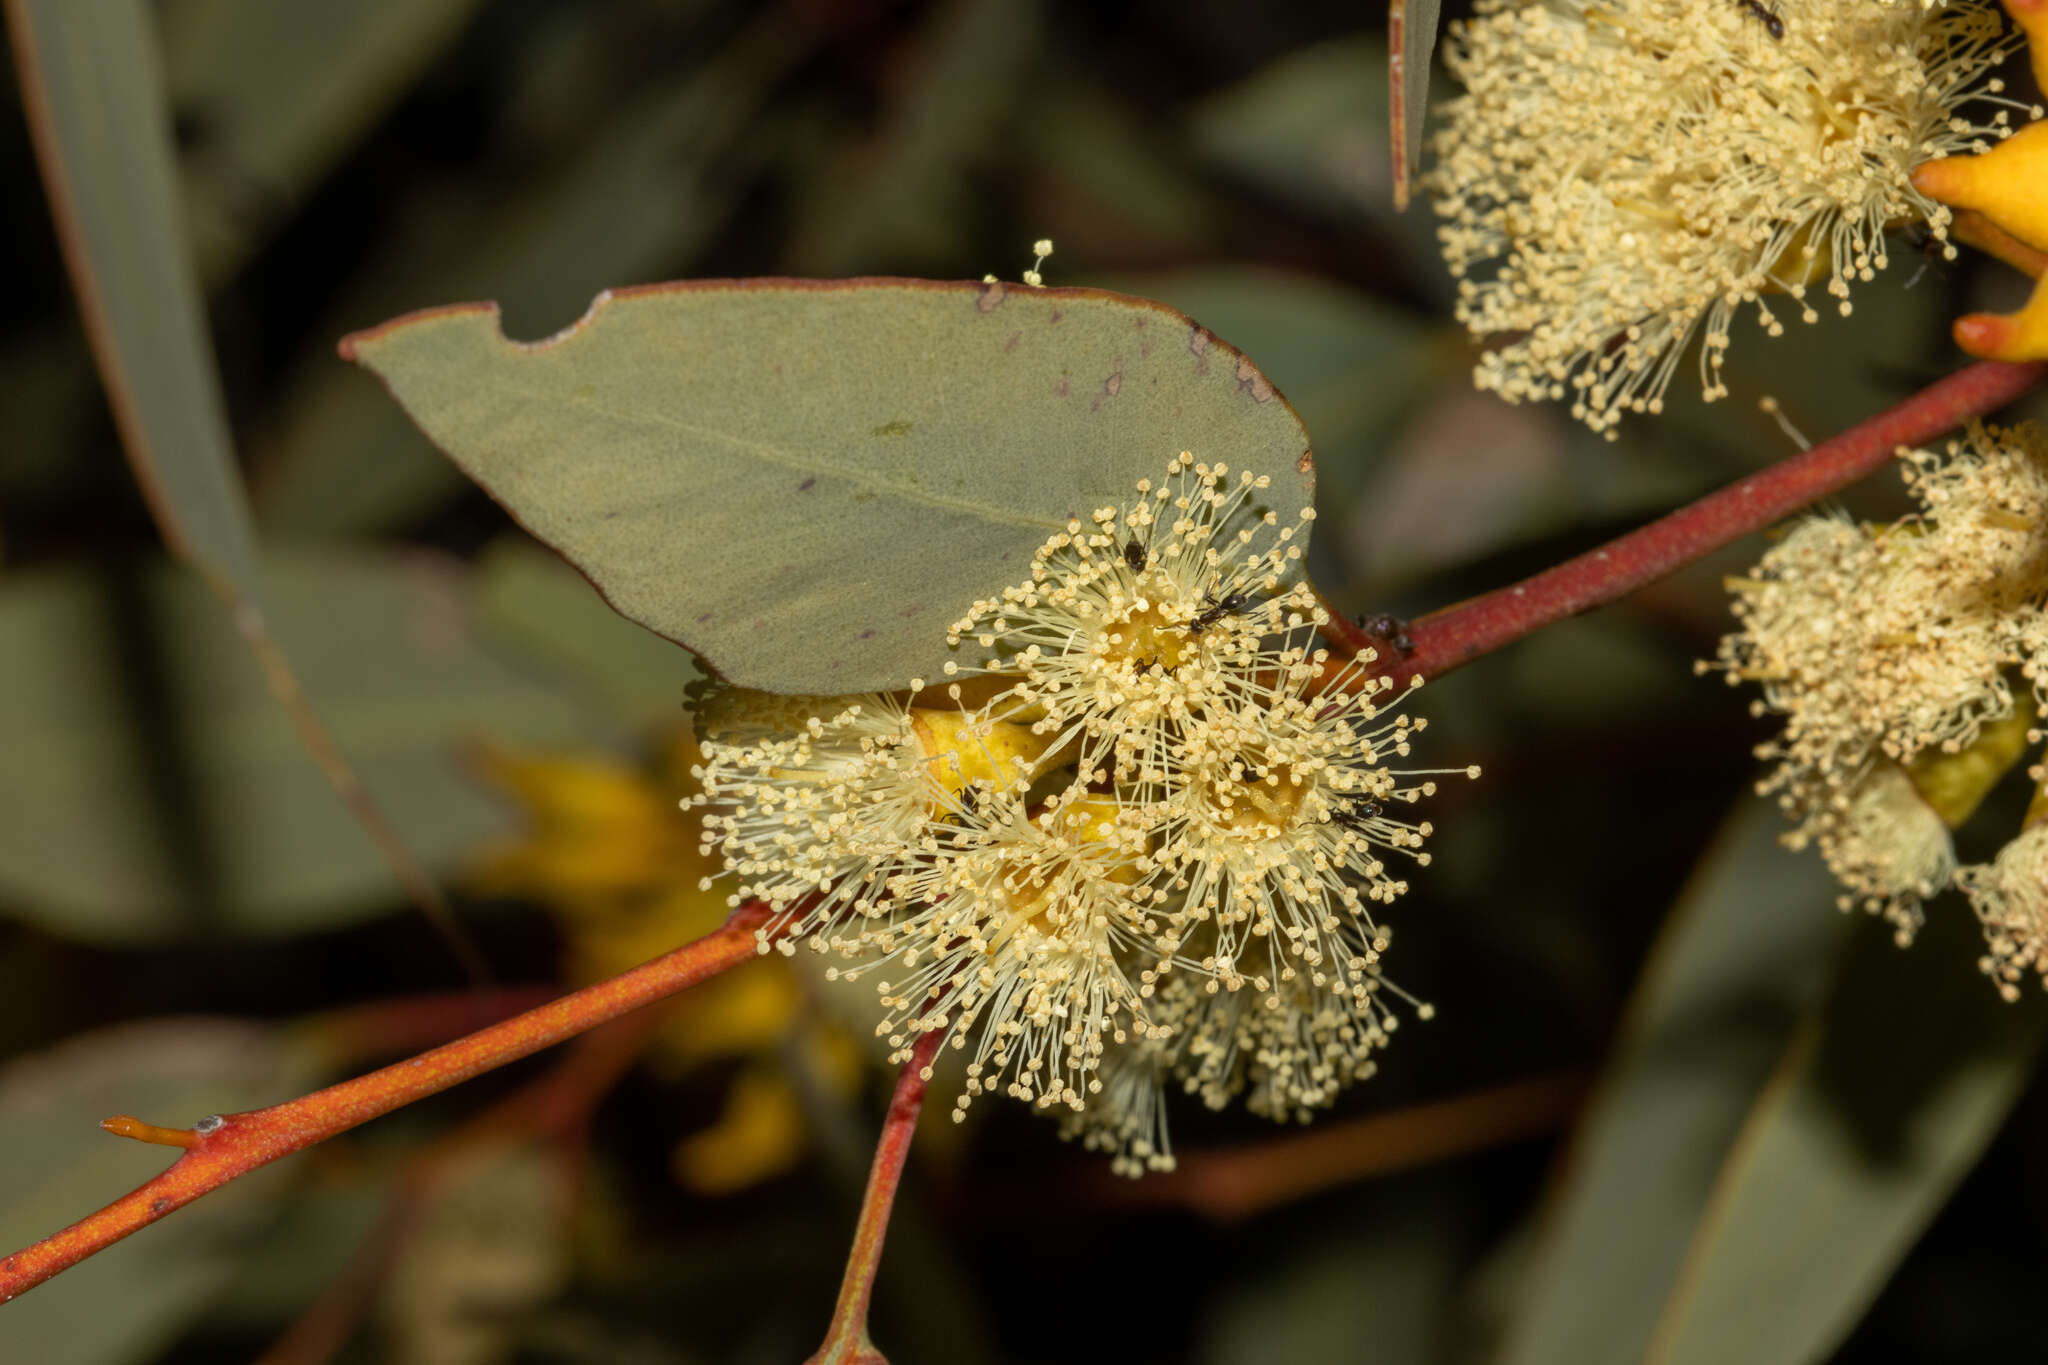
point(1134, 842)
point(1620, 175)
point(1910, 663)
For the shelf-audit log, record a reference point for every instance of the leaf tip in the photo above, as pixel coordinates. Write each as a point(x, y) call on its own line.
point(351, 347)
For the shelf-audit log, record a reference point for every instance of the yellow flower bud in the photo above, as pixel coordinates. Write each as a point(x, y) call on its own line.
point(964, 749)
point(2007, 184)
point(2031, 18)
point(2007, 336)
point(1954, 785)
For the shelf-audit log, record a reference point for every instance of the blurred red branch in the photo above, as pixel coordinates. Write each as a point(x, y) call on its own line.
point(553, 1106)
point(224, 1147)
point(1444, 639)
point(846, 1340)
point(1228, 1186)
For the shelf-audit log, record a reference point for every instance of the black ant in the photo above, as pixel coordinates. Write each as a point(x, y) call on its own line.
point(1766, 16)
point(1216, 611)
point(1135, 555)
point(1358, 812)
point(1390, 628)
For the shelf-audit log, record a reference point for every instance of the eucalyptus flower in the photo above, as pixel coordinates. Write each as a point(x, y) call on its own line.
point(1144, 856)
point(1282, 808)
point(1892, 654)
point(813, 801)
point(2010, 896)
point(1621, 176)
point(1135, 621)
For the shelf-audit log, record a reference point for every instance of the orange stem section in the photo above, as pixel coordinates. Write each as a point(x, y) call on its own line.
point(121, 1125)
point(1442, 640)
point(231, 1145)
point(846, 1340)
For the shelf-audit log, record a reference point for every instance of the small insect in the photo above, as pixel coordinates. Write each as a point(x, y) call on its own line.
point(1135, 555)
point(1766, 16)
point(1930, 247)
point(1360, 810)
point(1216, 611)
point(1390, 628)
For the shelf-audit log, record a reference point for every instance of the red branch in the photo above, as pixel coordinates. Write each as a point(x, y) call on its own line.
point(1454, 635)
point(846, 1340)
point(220, 1148)
point(355, 1034)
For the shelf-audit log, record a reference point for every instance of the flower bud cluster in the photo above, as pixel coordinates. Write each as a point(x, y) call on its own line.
point(1894, 654)
point(1135, 843)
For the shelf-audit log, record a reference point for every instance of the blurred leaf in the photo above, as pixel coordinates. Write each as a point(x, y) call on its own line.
point(317, 1236)
point(1383, 1296)
point(116, 825)
point(1471, 475)
point(808, 482)
point(128, 1301)
point(1108, 184)
point(47, 375)
point(1411, 34)
point(1883, 1101)
point(535, 606)
point(274, 95)
point(1743, 953)
point(1312, 127)
point(96, 106)
point(96, 99)
point(1351, 364)
point(492, 1245)
point(639, 200)
point(902, 198)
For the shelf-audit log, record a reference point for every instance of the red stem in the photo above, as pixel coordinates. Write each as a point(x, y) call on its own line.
point(355, 1034)
point(846, 1340)
point(230, 1145)
point(1454, 635)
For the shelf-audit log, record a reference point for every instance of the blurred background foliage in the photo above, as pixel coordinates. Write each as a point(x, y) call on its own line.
point(1761, 1134)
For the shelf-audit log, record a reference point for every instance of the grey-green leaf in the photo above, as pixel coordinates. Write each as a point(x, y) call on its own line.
point(96, 96)
point(1352, 364)
point(198, 811)
point(806, 482)
point(1743, 952)
point(1881, 1104)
